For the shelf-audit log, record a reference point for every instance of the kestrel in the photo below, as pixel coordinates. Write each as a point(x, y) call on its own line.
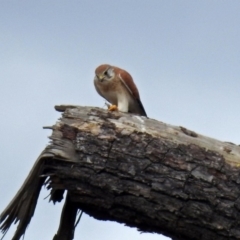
point(117, 87)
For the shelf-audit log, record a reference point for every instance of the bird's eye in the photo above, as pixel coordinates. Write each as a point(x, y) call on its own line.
point(109, 72)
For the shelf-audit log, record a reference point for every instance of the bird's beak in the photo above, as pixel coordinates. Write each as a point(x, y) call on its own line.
point(100, 77)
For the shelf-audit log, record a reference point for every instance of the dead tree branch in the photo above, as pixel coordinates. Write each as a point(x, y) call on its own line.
point(133, 170)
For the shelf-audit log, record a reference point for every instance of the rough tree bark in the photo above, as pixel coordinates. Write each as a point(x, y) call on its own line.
point(133, 170)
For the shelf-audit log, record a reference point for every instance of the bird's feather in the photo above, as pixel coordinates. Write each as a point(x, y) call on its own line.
point(127, 81)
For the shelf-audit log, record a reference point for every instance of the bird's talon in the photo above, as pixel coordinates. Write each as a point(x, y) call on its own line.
point(112, 108)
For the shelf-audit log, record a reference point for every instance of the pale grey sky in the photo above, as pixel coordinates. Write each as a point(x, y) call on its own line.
point(183, 55)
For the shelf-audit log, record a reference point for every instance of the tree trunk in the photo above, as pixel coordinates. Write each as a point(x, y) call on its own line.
point(138, 171)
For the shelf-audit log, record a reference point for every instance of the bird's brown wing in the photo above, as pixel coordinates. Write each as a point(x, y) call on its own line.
point(128, 82)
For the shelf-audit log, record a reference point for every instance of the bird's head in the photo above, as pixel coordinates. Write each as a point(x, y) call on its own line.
point(104, 72)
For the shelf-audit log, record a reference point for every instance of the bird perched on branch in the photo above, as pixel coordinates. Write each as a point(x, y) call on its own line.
point(117, 87)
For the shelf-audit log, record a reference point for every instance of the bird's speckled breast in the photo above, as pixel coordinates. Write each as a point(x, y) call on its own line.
point(110, 90)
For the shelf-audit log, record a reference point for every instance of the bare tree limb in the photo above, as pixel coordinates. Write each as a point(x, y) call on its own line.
point(67, 223)
point(138, 171)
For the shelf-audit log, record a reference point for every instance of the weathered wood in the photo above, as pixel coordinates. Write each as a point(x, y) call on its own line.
point(141, 172)
point(67, 222)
